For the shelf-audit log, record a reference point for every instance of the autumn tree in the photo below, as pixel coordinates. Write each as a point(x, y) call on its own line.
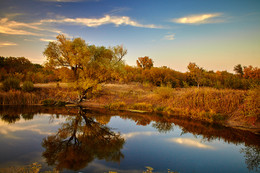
point(196, 72)
point(144, 62)
point(251, 72)
point(91, 65)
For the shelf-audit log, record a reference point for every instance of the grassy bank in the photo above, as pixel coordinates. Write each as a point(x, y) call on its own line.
point(235, 107)
point(41, 93)
point(205, 104)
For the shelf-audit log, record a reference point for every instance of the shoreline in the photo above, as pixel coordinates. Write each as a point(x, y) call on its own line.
point(232, 108)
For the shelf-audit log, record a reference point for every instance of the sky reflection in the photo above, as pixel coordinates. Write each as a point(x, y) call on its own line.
point(190, 143)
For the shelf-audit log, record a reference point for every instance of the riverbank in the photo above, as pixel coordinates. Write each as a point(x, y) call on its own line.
point(232, 108)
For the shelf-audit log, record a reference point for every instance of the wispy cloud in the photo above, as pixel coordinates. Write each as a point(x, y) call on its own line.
point(198, 19)
point(4, 44)
point(107, 19)
point(46, 40)
point(15, 28)
point(169, 37)
point(12, 27)
point(190, 143)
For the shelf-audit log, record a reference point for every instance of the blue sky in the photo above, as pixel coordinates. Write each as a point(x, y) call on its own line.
point(215, 34)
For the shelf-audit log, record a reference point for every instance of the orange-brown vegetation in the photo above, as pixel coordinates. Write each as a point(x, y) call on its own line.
point(205, 104)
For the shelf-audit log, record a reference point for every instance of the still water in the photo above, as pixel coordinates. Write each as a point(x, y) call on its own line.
point(87, 140)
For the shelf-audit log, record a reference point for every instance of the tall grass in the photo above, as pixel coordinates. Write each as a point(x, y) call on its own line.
point(207, 104)
point(14, 97)
point(17, 97)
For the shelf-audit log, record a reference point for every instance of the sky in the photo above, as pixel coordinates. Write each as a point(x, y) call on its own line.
point(215, 34)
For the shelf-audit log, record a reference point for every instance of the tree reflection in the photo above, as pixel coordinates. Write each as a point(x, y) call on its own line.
point(163, 126)
point(81, 140)
point(252, 157)
point(10, 118)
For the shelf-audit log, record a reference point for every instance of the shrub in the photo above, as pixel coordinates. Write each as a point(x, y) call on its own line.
point(116, 106)
point(143, 106)
point(11, 83)
point(49, 102)
point(164, 92)
point(27, 86)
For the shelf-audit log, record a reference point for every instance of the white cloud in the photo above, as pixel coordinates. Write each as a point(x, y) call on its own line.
point(169, 37)
point(198, 19)
point(190, 143)
point(4, 44)
point(46, 40)
point(20, 28)
point(15, 28)
point(95, 22)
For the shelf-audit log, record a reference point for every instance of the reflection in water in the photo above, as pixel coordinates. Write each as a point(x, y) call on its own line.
point(163, 126)
point(252, 157)
point(135, 134)
point(85, 137)
point(190, 143)
point(81, 140)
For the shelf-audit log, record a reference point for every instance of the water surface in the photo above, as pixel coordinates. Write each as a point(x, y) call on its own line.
point(85, 140)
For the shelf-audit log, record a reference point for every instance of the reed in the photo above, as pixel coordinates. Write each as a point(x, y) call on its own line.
point(14, 97)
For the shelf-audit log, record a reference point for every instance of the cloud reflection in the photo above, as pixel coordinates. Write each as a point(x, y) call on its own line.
point(135, 134)
point(10, 130)
point(190, 143)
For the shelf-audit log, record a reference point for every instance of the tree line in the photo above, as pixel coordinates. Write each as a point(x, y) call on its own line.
point(73, 60)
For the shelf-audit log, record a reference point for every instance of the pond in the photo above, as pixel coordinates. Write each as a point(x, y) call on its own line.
point(97, 140)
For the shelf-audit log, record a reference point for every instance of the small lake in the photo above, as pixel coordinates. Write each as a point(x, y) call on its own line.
point(97, 140)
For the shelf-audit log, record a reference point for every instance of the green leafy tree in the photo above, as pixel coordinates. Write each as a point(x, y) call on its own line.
point(239, 70)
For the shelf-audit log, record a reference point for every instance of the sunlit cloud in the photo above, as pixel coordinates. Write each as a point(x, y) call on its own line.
point(4, 44)
point(135, 134)
point(11, 27)
point(190, 143)
point(46, 40)
point(15, 28)
point(198, 19)
point(95, 22)
point(169, 37)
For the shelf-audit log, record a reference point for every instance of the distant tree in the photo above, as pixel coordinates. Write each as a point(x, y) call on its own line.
point(196, 72)
point(251, 72)
point(239, 70)
point(144, 62)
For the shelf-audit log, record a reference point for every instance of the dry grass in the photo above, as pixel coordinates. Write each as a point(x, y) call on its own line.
point(40, 93)
point(52, 85)
point(206, 104)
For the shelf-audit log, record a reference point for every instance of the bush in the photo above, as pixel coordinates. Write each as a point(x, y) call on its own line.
point(116, 106)
point(51, 102)
point(27, 86)
point(11, 83)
